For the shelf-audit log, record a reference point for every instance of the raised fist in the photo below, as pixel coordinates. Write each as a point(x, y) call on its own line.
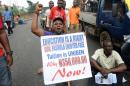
point(39, 7)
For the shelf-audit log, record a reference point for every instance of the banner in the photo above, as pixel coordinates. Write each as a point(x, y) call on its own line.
point(65, 58)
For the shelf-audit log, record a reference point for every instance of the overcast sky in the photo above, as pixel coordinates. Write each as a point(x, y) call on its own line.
point(24, 2)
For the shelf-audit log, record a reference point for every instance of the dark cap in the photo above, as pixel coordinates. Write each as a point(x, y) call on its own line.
point(58, 18)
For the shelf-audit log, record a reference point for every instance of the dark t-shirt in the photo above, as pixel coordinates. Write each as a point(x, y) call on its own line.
point(46, 33)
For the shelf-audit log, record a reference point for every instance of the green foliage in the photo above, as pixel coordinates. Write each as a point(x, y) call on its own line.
point(18, 10)
point(15, 10)
point(32, 6)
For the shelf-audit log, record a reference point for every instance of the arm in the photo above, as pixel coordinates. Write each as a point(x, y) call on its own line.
point(98, 67)
point(69, 15)
point(5, 43)
point(35, 29)
point(46, 21)
point(120, 68)
point(78, 13)
point(46, 15)
point(50, 18)
point(95, 64)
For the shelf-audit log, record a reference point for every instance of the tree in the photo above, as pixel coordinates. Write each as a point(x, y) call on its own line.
point(32, 6)
point(15, 10)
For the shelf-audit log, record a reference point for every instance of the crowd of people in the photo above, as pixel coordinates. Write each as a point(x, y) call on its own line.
point(104, 60)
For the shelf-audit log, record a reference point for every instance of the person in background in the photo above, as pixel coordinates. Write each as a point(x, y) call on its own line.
point(8, 19)
point(58, 11)
point(47, 14)
point(17, 18)
point(67, 15)
point(106, 60)
point(12, 22)
point(6, 59)
point(74, 14)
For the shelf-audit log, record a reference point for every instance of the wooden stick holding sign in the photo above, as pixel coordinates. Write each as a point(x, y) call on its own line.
point(69, 83)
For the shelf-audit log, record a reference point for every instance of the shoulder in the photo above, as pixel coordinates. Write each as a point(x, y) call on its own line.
point(54, 8)
point(116, 55)
point(115, 52)
point(99, 50)
point(78, 8)
point(97, 54)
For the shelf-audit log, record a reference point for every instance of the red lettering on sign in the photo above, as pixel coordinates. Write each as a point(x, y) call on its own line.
point(63, 73)
point(51, 64)
point(72, 61)
point(47, 49)
point(60, 72)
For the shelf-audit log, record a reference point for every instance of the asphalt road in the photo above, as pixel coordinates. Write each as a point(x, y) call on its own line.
point(27, 57)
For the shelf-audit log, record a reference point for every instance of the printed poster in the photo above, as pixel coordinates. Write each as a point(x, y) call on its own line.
point(65, 58)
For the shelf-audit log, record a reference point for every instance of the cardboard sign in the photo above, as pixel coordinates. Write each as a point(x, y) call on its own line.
point(65, 58)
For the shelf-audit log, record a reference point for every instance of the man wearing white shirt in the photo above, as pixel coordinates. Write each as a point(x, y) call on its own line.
point(47, 14)
point(106, 60)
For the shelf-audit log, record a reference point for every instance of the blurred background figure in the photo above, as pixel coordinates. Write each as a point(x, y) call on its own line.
point(8, 19)
point(58, 11)
point(67, 15)
point(74, 14)
point(47, 14)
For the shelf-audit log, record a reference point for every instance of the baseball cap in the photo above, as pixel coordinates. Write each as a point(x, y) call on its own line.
point(58, 18)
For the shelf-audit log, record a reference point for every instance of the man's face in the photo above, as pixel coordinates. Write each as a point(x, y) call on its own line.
point(60, 3)
point(58, 26)
point(6, 8)
point(51, 4)
point(64, 4)
point(75, 3)
point(107, 46)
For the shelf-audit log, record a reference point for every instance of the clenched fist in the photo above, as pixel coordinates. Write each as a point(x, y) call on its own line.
point(39, 7)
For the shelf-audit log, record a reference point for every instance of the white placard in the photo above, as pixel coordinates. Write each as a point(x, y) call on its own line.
point(65, 58)
point(111, 78)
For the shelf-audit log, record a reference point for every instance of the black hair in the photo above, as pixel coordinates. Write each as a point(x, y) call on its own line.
point(51, 1)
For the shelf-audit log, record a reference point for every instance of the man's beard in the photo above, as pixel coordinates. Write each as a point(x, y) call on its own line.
point(58, 32)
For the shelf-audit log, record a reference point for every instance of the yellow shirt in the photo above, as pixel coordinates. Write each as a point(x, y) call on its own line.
point(128, 4)
point(73, 12)
point(107, 62)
